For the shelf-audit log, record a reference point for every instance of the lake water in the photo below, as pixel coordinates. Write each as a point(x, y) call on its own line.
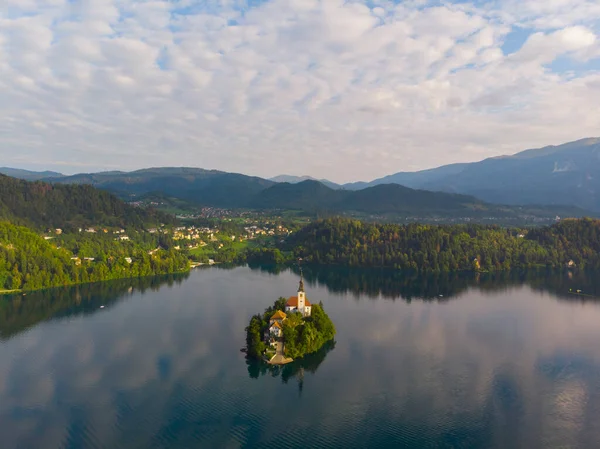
point(440, 362)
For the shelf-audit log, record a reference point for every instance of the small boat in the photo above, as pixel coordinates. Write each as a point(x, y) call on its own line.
point(102, 307)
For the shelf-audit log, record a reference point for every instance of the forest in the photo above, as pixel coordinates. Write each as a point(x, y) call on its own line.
point(29, 262)
point(40, 205)
point(442, 248)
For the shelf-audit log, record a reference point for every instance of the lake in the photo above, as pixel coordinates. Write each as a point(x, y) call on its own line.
point(451, 361)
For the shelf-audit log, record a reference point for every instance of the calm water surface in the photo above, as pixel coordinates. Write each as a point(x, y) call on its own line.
point(473, 362)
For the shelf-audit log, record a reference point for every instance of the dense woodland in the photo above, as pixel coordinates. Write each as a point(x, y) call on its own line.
point(301, 336)
point(29, 262)
point(41, 205)
point(420, 247)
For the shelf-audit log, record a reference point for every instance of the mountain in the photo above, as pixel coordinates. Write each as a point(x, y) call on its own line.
point(414, 180)
point(29, 175)
point(196, 185)
point(306, 195)
point(42, 205)
point(296, 179)
point(553, 175)
point(393, 199)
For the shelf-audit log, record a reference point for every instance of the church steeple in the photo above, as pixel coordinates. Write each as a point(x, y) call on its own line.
point(301, 286)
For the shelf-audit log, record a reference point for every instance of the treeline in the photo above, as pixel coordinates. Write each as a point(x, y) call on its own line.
point(41, 205)
point(435, 248)
point(28, 262)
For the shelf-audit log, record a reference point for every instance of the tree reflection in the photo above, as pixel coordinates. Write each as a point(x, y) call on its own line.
point(295, 370)
point(393, 284)
point(22, 311)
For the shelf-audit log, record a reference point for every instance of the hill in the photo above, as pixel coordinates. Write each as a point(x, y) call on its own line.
point(306, 195)
point(296, 179)
point(42, 205)
point(553, 175)
point(28, 262)
point(29, 175)
point(203, 187)
point(393, 200)
point(421, 247)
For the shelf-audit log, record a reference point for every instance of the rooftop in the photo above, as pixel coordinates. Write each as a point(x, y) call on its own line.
point(293, 302)
point(279, 315)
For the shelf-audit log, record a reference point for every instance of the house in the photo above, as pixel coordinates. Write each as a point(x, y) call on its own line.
point(123, 237)
point(299, 303)
point(276, 330)
point(128, 259)
point(278, 316)
point(276, 325)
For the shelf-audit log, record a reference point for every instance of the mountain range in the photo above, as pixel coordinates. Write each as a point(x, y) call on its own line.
point(553, 176)
point(563, 174)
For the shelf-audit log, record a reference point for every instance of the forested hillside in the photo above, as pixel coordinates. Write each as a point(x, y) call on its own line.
point(42, 205)
point(29, 262)
point(448, 248)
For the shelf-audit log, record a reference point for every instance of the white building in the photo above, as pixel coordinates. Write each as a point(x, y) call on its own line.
point(299, 303)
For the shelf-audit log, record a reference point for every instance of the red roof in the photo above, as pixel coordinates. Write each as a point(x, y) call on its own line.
point(293, 302)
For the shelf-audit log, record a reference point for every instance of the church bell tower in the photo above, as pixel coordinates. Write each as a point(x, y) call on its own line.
point(301, 295)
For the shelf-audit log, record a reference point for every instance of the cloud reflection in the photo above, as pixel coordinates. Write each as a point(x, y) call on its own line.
point(506, 366)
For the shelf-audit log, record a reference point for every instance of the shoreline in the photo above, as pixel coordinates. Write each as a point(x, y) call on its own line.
point(75, 284)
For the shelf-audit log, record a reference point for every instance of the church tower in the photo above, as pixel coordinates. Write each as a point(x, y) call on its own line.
point(301, 296)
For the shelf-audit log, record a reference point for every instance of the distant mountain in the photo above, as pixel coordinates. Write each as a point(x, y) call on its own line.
point(42, 205)
point(414, 180)
point(29, 175)
point(553, 175)
point(296, 179)
point(393, 199)
point(306, 195)
point(230, 190)
point(196, 185)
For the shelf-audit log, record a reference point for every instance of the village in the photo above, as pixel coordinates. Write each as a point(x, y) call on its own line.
point(204, 244)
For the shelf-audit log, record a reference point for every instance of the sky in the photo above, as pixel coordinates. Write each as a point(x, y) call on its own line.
point(345, 90)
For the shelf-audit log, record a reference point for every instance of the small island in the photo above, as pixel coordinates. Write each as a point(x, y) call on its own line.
point(288, 330)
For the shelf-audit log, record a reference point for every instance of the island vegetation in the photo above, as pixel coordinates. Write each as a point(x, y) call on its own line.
point(301, 335)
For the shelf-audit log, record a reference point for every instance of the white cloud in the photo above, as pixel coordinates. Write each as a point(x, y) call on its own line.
point(295, 86)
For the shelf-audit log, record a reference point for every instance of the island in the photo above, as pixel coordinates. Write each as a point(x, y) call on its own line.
point(288, 330)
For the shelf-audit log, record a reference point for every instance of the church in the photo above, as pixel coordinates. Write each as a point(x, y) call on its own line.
point(294, 304)
point(299, 303)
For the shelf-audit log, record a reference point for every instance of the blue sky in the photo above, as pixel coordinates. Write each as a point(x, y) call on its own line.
point(348, 90)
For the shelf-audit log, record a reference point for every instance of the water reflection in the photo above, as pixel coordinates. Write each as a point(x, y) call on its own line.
point(393, 284)
point(295, 370)
point(500, 363)
point(20, 312)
